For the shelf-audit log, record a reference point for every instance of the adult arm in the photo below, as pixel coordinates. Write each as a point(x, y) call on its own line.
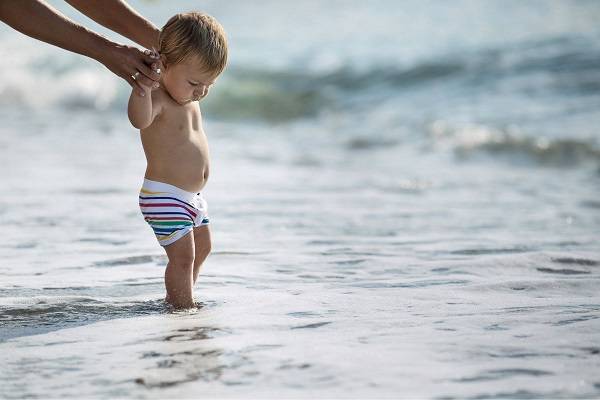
point(119, 17)
point(38, 20)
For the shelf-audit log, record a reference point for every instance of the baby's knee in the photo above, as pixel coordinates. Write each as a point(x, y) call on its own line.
point(182, 261)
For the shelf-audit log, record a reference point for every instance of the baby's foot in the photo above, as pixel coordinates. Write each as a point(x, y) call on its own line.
point(192, 306)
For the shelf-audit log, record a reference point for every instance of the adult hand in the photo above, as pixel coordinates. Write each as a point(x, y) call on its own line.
point(138, 68)
point(35, 18)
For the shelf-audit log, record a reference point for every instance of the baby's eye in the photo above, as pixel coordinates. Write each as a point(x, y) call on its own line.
point(193, 84)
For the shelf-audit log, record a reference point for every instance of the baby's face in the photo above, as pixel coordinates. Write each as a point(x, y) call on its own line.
point(186, 82)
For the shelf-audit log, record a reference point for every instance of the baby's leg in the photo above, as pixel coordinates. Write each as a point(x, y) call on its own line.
point(178, 275)
point(203, 243)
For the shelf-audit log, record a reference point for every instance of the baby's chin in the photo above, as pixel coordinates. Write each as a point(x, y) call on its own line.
point(184, 102)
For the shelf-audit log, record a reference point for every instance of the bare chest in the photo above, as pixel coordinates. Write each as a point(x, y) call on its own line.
point(177, 126)
point(179, 121)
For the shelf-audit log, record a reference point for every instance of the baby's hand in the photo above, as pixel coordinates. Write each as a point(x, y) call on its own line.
point(147, 89)
point(156, 67)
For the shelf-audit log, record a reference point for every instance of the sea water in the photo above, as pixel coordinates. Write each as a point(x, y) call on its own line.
point(404, 202)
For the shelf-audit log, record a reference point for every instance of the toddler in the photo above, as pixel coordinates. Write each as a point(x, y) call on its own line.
point(193, 53)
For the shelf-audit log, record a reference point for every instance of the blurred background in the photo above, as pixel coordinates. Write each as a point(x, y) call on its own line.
point(403, 175)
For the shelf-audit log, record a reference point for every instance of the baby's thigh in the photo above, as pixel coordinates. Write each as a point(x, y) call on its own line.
point(202, 239)
point(182, 250)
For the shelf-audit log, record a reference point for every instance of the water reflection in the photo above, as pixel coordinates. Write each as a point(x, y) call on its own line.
point(188, 354)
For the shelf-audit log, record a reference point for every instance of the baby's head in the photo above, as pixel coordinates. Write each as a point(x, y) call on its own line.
point(193, 51)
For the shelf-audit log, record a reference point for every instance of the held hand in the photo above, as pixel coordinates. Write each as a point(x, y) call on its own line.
point(145, 90)
point(138, 68)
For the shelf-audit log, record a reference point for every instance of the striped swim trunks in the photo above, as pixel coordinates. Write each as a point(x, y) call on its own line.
point(170, 211)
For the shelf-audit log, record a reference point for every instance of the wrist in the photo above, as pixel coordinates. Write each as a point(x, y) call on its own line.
point(100, 48)
point(147, 89)
point(144, 93)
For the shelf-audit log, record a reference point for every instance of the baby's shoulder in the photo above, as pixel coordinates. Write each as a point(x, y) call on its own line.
point(161, 102)
point(158, 97)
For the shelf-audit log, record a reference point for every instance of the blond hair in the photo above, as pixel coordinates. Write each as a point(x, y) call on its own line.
point(194, 34)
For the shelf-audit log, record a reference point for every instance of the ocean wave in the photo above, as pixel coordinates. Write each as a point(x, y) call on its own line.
point(471, 139)
point(290, 93)
point(76, 89)
point(26, 316)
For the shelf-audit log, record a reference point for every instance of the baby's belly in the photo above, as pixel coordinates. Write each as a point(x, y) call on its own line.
point(186, 167)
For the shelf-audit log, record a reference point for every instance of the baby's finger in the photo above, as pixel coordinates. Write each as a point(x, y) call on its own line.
point(149, 72)
point(143, 80)
point(150, 56)
point(159, 65)
point(135, 85)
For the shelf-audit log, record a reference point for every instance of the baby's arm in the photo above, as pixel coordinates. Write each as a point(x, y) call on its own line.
point(142, 109)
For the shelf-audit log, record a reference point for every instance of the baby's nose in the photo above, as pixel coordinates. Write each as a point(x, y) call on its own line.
point(201, 92)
